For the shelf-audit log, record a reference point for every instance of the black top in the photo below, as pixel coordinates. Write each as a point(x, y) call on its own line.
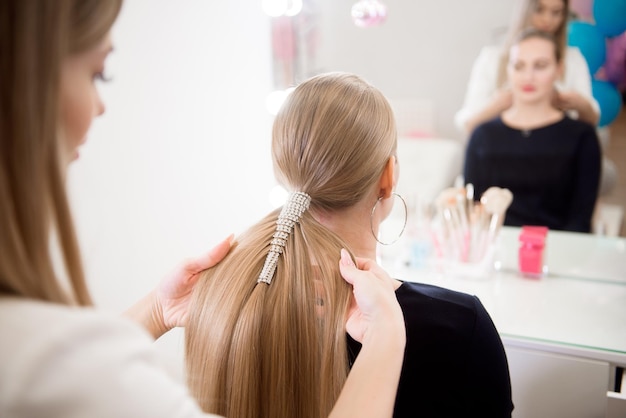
point(454, 361)
point(552, 171)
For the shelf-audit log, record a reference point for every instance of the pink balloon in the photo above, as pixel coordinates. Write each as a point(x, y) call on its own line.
point(615, 64)
point(583, 8)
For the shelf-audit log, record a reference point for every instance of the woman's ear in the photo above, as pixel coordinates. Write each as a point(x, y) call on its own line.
point(388, 178)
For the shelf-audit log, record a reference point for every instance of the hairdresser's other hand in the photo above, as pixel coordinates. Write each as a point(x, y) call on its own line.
point(174, 292)
point(571, 100)
point(502, 99)
point(166, 307)
point(567, 100)
point(375, 309)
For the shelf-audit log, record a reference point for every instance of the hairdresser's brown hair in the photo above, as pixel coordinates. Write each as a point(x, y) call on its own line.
point(521, 21)
point(279, 350)
point(35, 37)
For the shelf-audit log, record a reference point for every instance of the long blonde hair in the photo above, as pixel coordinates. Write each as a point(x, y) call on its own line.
point(35, 37)
point(522, 20)
point(279, 350)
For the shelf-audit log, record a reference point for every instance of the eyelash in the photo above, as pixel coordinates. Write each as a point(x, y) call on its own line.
point(100, 76)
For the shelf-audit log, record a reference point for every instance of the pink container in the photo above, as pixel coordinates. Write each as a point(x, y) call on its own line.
point(531, 252)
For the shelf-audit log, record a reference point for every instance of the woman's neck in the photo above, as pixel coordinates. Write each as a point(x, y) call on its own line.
point(353, 226)
point(531, 115)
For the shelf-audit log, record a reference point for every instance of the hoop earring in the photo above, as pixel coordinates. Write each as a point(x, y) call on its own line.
point(403, 225)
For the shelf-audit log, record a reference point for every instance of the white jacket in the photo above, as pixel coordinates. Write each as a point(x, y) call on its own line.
point(64, 362)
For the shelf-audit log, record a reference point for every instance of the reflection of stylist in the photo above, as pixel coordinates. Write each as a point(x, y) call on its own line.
point(59, 357)
point(550, 162)
point(487, 93)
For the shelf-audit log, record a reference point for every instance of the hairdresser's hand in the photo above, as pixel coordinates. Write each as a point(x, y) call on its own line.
point(375, 311)
point(375, 320)
point(502, 99)
point(166, 307)
point(566, 100)
point(174, 291)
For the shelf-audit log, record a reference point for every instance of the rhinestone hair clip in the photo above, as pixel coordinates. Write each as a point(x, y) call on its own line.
point(292, 211)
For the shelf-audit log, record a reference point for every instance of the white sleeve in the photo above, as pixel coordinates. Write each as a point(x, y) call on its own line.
point(97, 368)
point(577, 77)
point(481, 86)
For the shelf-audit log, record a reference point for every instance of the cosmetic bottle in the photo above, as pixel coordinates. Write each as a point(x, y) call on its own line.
point(532, 251)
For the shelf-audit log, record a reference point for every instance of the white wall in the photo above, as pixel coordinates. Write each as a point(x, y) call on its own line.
point(181, 157)
point(424, 50)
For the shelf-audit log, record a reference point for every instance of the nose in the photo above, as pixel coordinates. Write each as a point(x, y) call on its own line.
point(527, 74)
point(543, 22)
point(100, 107)
point(547, 22)
point(540, 20)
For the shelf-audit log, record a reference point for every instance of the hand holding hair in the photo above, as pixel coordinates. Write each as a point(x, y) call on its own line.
point(377, 322)
point(167, 306)
point(375, 307)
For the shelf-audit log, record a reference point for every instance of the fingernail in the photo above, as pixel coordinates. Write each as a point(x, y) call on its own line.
point(345, 258)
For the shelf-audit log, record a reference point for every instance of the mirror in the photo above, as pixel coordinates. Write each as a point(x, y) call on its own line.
point(423, 50)
point(420, 57)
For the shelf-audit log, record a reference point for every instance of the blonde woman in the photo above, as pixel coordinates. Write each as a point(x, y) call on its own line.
point(549, 161)
point(488, 94)
point(270, 318)
point(59, 356)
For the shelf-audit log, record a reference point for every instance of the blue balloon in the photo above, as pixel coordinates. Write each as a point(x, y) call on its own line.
point(610, 16)
point(590, 41)
point(609, 99)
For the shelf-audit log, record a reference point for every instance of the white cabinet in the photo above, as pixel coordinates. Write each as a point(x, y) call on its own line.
point(551, 385)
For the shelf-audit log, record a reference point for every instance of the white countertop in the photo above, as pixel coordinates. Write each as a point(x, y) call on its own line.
point(579, 307)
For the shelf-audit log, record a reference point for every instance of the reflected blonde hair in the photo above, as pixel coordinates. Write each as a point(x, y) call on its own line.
point(279, 350)
point(35, 38)
point(532, 33)
point(522, 18)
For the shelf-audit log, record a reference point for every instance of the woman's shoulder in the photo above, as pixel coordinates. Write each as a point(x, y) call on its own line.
point(490, 51)
point(573, 53)
point(575, 65)
point(443, 314)
point(489, 129)
point(436, 297)
point(576, 126)
point(488, 57)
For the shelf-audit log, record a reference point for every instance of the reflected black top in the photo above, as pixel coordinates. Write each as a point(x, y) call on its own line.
point(454, 362)
point(553, 171)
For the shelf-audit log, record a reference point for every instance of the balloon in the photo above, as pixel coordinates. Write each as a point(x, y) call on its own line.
point(610, 16)
point(609, 99)
point(615, 65)
point(590, 41)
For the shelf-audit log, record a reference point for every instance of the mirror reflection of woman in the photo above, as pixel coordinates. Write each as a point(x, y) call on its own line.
point(549, 161)
point(488, 94)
